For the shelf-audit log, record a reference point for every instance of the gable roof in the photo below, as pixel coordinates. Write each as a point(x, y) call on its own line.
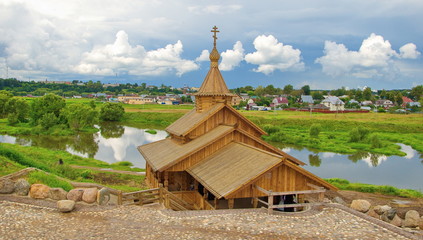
point(191, 120)
point(307, 99)
point(165, 153)
point(232, 167)
point(333, 100)
point(184, 125)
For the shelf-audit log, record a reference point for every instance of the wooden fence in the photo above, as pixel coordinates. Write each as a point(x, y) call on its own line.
point(270, 195)
point(178, 201)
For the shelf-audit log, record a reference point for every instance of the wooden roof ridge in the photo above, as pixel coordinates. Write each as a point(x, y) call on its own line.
point(311, 175)
point(289, 157)
point(184, 125)
point(220, 186)
point(261, 150)
point(179, 152)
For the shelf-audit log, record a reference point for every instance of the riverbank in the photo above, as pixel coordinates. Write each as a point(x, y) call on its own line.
point(383, 130)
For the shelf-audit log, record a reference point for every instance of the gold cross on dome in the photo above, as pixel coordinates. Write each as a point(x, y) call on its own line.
point(214, 31)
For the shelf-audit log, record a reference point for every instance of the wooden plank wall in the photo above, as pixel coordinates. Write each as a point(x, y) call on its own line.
point(224, 116)
point(280, 179)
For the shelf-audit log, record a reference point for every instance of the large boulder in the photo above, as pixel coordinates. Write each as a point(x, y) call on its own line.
point(6, 186)
point(57, 194)
point(75, 194)
point(22, 187)
point(396, 221)
point(103, 196)
point(391, 213)
point(412, 219)
point(39, 191)
point(65, 205)
point(90, 195)
point(381, 209)
point(372, 213)
point(360, 205)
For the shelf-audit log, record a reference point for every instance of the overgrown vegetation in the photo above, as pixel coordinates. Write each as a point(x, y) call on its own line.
point(343, 184)
point(15, 157)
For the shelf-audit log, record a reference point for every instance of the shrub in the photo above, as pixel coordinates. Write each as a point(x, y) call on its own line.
point(151, 131)
point(48, 120)
point(111, 112)
point(123, 163)
point(315, 130)
point(358, 134)
point(375, 142)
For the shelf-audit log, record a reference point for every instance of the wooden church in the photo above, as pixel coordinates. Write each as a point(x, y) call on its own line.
point(214, 154)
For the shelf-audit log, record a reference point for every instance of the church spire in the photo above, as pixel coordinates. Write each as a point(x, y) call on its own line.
point(213, 89)
point(214, 55)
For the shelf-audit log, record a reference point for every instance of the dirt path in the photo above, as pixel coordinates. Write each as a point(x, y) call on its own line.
point(109, 170)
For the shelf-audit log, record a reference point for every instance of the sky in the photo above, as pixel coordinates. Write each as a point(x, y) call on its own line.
point(325, 44)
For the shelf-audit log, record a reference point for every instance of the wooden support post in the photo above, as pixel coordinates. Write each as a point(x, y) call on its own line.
point(231, 203)
point(159, 178)
point(205, 194)
point(255, 202)
point(270, 201)
point(120, 197)
point(321, 196)
point(161, 197)
point(216, 202)
point(166, 180)
point(195, 185)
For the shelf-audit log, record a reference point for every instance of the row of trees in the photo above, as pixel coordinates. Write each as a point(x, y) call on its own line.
point(51, 110)
point(23, 88)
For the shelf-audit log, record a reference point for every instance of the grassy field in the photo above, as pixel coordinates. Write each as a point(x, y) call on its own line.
point(294, 127)
point(15, 157)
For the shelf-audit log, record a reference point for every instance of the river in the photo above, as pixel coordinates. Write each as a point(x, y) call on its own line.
point(116, 143)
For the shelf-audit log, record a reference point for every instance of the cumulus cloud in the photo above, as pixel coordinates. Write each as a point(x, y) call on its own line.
point(374, 58)
point(409, 50)
point(204, 56)
point(122, 57)
point(272, 55)
point(232, 58)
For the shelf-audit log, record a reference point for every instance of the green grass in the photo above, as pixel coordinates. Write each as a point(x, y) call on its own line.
point(49, 180)
point(343, 184)
point(157, 120)
point(16, 157)
point(151, 131)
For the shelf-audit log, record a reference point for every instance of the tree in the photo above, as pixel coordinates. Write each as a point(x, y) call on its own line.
point(80, 116)
point(398, 98)
point(417, 92)
point(259, 91)
point(18, 108)
point(49, 103)
point(367, 93)
point(288, 89)
point(4, 98)
point(306, 89)
point(111, 112)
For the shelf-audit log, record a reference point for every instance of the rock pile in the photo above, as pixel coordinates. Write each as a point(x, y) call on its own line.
point(66, 200)
point(388, 214)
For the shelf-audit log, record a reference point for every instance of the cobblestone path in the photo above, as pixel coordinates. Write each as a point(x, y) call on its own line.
point(23, 221)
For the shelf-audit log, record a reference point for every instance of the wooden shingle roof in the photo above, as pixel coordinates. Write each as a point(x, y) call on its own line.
point(214, 85)
point(232, 167)
point(184, 125)
point(191, 120)
point(165, 153)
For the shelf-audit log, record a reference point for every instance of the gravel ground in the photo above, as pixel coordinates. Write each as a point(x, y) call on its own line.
point(20, 220)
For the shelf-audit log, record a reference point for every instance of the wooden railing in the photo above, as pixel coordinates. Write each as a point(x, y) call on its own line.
point(270, 194)
point(178, 201)
point(139, 197)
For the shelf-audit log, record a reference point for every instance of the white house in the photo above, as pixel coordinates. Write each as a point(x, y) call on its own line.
point(334, 103)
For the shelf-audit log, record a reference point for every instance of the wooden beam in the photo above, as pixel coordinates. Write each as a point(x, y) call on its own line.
point(262, 190)
point(259, 200)
point(270, 205)
point(297, 192)
point(295, 205)
point(315, 187)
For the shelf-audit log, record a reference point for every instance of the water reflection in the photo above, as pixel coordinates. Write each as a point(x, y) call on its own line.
point(314, 160)
point(401, 172)
point(113, 143)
